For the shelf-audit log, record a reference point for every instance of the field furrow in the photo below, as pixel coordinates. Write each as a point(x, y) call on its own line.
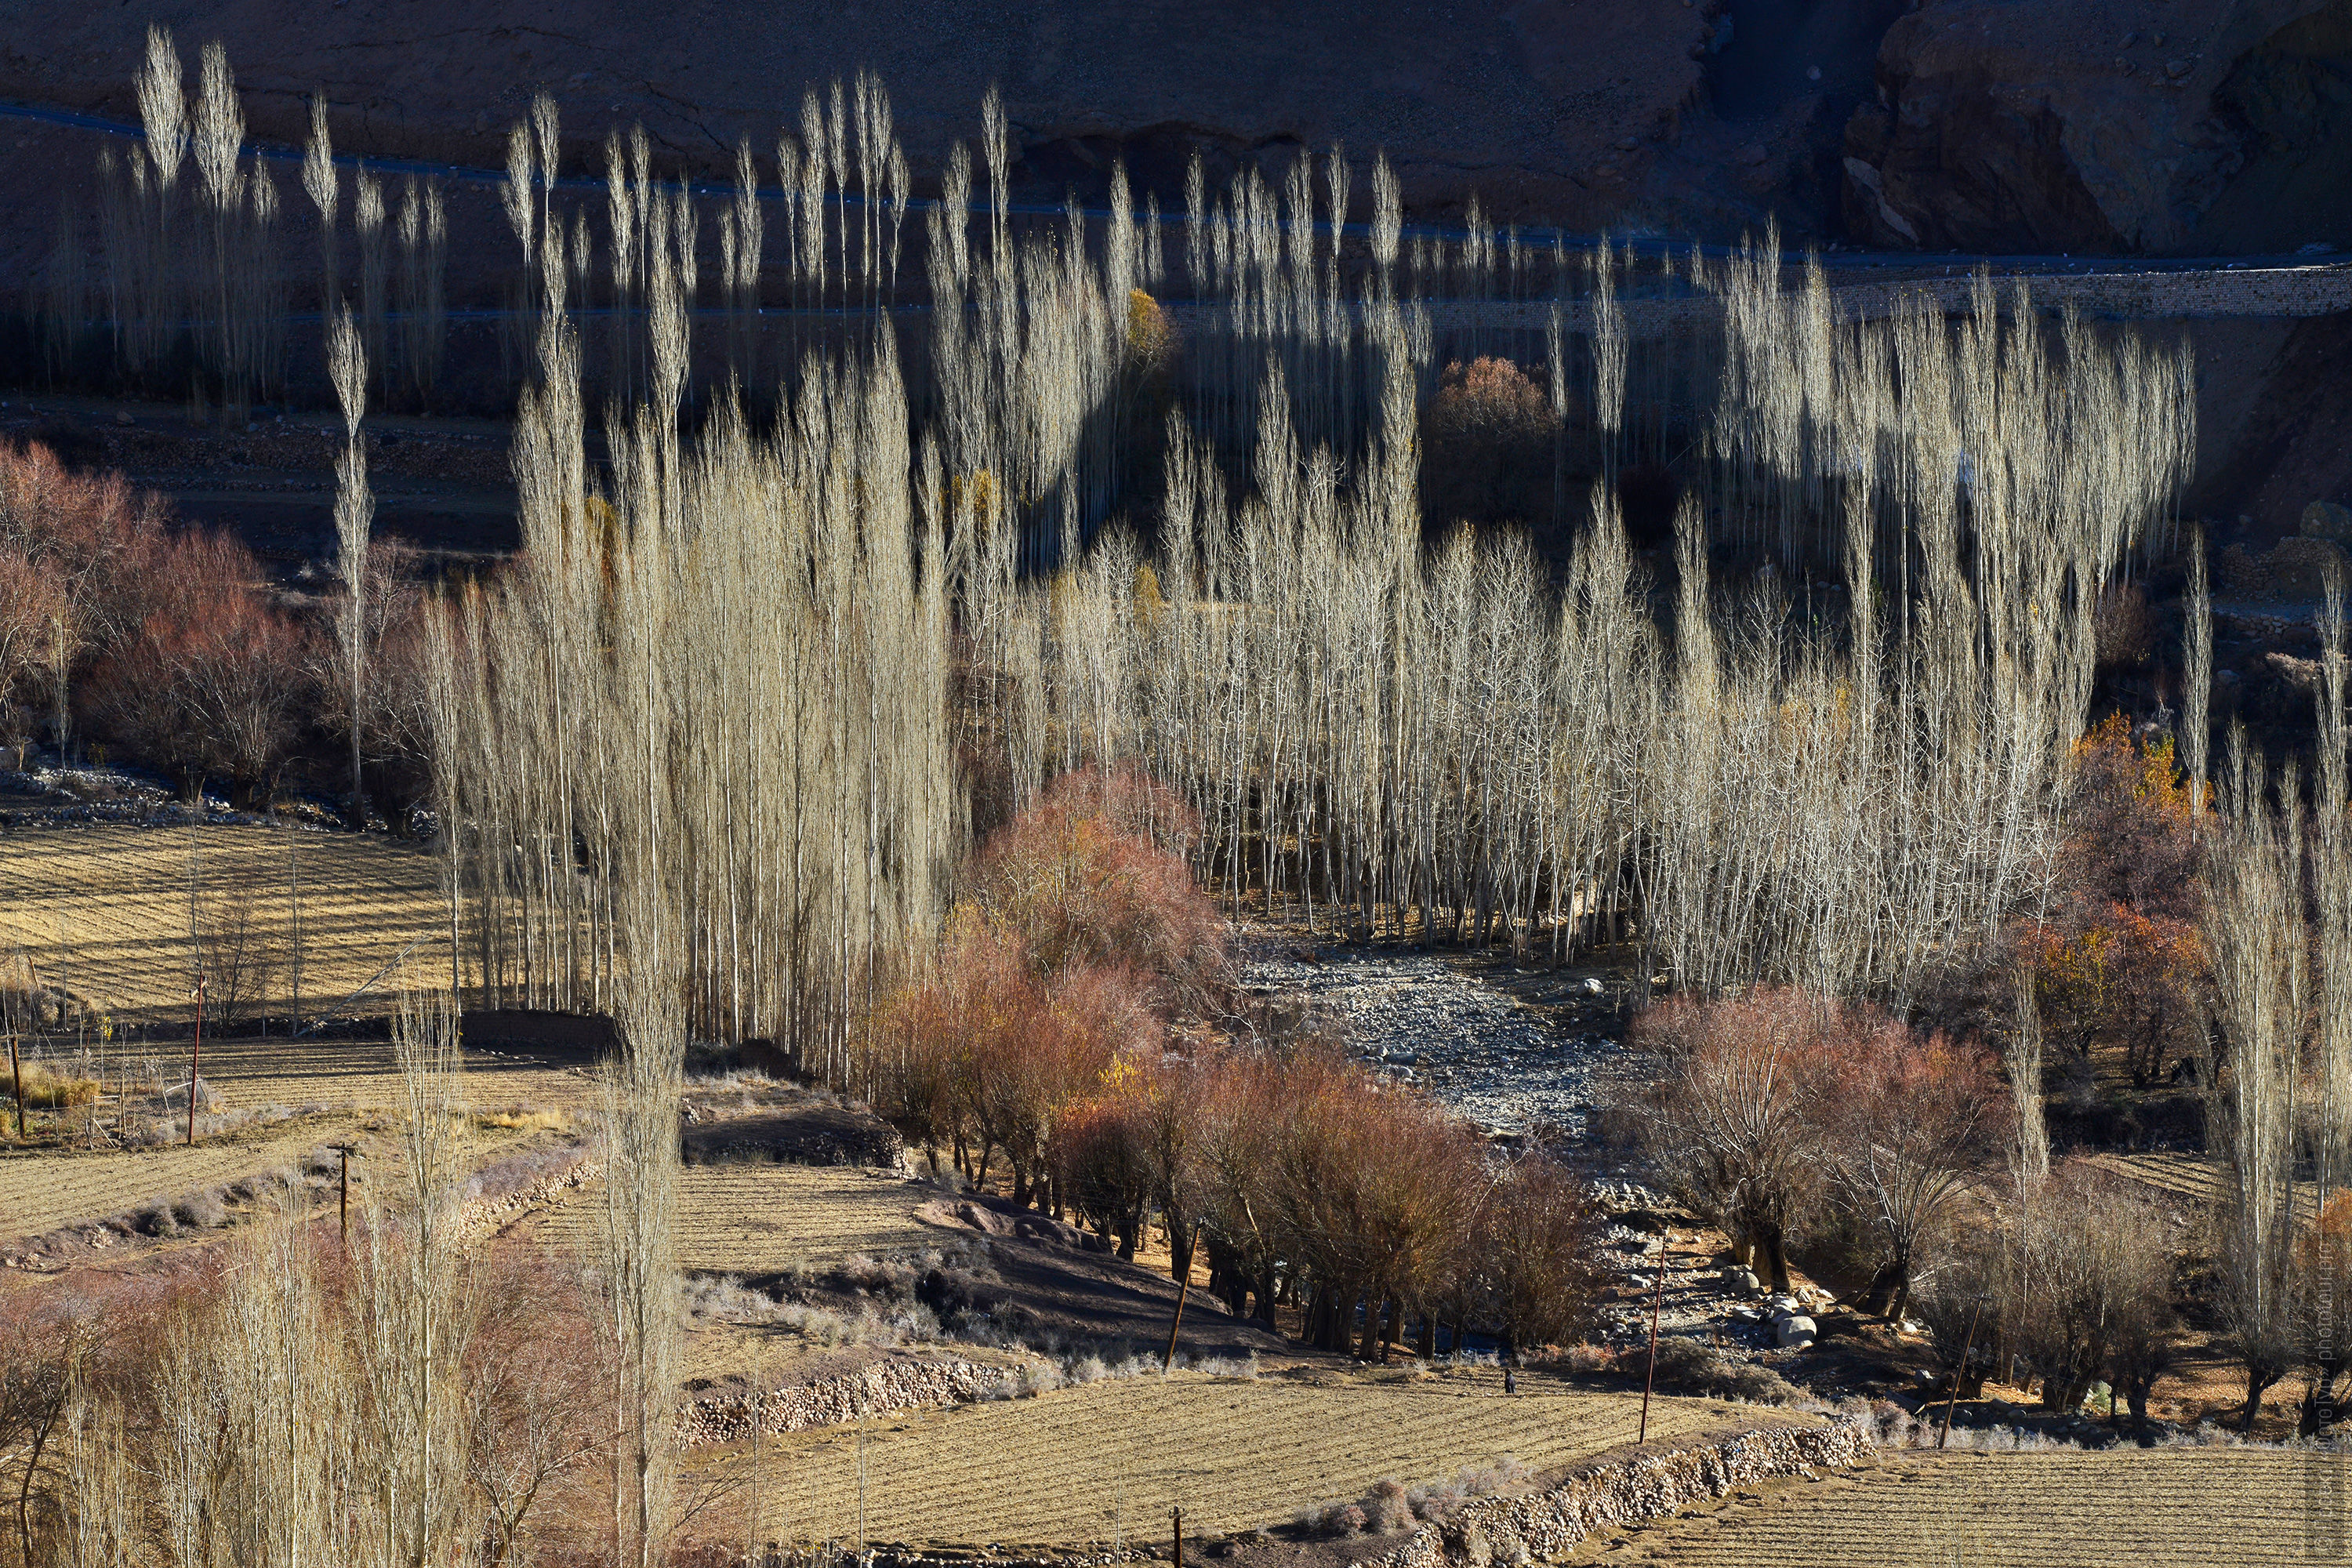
point(2127, 1508)
point(103, 911)
point(40, 1192)
point(1083, 1464)
point(758, 1219)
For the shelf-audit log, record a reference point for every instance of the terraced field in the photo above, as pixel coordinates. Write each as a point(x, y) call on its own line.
point(757, 1219)
point(42, 1191)
point(1083, 1463)
point(2124, 1509)
point(102, 910)
point(252, 1073)
point(39, 1192)
point(2191, 1177)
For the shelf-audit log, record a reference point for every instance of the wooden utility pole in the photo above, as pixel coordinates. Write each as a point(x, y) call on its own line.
point(343, 1188)
point(196, 1057)
point(1183, 1289)
point(294, 909)
point(1179, 1514)
point(16, 1076)
point(1657, 1301)
point(1960, 1370)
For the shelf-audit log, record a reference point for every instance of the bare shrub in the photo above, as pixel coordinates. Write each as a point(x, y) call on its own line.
point(1735, 1110)
point(205, 680)
point(2323, 1272)
point(1914, 1122)
point(1687, 1366)
point(1391, 1506)
point(1533, 1254)
point(91, 541)
point(2122, 627)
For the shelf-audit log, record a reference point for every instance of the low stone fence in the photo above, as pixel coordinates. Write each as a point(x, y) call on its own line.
point(488, 1215)
point(873, 1390)
point(1546, 1524)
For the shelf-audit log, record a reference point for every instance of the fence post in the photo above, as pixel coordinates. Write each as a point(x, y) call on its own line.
point(1960, 1370)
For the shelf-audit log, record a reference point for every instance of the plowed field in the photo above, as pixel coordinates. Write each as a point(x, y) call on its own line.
point(1234, 1452)
point(104, 910)
point(758, 1219)
point(2121, 1509)
point(39, 1192)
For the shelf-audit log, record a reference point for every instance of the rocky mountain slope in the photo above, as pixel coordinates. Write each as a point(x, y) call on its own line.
point(2197, 127)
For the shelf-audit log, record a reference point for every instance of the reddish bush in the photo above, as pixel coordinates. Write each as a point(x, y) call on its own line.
point(1913, 1119)
point(1734, 1109)
point(1093, 874)
point(24, 607)
point(1487, 439)
point(208, 680)
point(1375, 1189)
point(988, 1054)
point(1762, 1105)
point(1535, 1263)
point(85, 542)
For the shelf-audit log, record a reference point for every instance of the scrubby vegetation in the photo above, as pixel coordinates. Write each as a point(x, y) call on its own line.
point(906, 706)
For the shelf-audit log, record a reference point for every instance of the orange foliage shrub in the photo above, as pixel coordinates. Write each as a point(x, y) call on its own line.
point(2118, 962)
point(2130, 837)
point(1093, 874)
point(1487, 441)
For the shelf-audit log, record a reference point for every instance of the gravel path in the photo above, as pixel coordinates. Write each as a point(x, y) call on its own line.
point(1508, 1063)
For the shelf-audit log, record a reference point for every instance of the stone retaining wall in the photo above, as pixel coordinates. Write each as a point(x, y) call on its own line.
point(1513, 1528)
point(873, 1390)
point(485, 1217)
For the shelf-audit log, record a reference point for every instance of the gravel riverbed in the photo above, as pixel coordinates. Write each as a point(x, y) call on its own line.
point(1511, 1049)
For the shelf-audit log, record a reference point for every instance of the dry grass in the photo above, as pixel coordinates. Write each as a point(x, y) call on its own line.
point(44, 1089)
point(2125, 1508)
point(757, 1219)
point(1235, 1452)
point(102, 910)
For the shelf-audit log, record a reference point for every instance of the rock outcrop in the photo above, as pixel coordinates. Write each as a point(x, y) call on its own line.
point(2183, 127)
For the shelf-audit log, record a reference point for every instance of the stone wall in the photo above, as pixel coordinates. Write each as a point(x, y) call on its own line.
point(874, 1390)
point(1545, 1523)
